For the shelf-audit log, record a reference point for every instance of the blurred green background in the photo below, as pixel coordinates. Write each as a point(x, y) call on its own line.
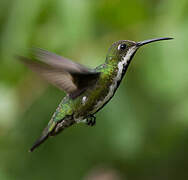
point(141, 134)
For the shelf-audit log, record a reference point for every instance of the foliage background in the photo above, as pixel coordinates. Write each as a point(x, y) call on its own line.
point(141, 134)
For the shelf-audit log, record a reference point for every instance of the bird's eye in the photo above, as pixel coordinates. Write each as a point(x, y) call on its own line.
point(122, 47)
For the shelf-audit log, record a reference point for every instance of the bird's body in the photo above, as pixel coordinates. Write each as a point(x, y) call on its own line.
point(88, 90)
point(91, 101)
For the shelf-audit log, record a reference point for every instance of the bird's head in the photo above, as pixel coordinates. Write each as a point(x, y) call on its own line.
point(124, 50)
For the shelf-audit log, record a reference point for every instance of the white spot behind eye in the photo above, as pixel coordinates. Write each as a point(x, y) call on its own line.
point(122, 46)
point(119, 47)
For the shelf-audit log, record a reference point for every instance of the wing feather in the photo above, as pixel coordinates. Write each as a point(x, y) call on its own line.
point(71, 77)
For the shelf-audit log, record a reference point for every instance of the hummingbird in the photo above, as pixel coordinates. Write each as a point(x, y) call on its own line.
point(87, 90)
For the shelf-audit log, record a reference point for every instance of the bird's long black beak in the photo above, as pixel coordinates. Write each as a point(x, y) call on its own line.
point(141, 43)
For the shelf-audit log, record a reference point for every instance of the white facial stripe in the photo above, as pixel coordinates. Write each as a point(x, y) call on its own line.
point(118, 77)
point(124, 61)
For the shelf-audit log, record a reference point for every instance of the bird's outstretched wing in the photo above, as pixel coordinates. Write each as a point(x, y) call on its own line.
point(71, 77)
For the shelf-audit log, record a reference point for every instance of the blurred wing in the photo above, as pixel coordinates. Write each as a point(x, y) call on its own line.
point(71, 77)
point(59, 62)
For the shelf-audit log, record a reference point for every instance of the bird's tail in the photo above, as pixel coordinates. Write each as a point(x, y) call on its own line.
point(39, 142)
point(46, 133)
point(53, 129)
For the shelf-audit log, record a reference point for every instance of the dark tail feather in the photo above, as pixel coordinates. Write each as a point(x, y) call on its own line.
point(39, 142)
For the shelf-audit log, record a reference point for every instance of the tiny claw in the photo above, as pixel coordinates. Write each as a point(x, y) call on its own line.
point(91, 120)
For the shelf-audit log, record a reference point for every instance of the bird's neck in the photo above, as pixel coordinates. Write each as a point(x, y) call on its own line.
point(121, 63)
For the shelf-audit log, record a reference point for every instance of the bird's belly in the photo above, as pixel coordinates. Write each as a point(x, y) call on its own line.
point(89, 105)
point(102, 101)
point(98, 97)
point(111, 90)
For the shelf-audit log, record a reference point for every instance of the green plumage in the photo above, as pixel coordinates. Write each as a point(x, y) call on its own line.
point(88, 90)
point(76, 107)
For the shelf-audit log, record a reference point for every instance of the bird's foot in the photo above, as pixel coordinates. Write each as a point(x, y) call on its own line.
point(91, 120)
